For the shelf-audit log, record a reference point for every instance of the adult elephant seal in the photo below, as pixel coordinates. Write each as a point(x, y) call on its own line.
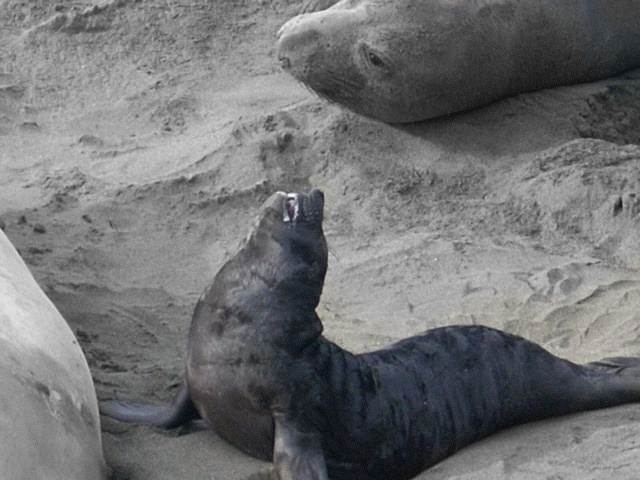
point(261, 373)
point(409, 60)
point(49, 422)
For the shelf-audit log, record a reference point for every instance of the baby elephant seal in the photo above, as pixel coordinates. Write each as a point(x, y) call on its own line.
point(261, 373)
point(409, 60)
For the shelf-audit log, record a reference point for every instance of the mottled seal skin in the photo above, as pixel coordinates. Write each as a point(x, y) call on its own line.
point(410, 60)
point(49, 422)
point(261, 373)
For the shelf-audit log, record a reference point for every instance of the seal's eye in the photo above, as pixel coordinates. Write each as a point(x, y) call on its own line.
point(375, 58)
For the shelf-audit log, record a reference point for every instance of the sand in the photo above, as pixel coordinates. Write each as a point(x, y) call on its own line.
point(140, 137)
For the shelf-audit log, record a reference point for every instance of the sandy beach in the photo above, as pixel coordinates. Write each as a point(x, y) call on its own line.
point(139, 139)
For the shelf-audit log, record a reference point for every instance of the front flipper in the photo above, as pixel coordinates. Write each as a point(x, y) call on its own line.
point(626, 366)
point(180, 411)
point(298, 455)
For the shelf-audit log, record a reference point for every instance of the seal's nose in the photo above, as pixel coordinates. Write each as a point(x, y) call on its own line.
point(295, 50)
point(305, 38)
point(285, 63)
point(297, 41)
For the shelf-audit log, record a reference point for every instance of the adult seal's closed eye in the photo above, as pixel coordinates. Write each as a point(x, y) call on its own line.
point(410, 60)
point(261, 373)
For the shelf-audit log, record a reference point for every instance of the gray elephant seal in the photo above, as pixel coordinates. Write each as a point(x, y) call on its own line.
point(261, 373)
point(49, 422)
point(410, 60)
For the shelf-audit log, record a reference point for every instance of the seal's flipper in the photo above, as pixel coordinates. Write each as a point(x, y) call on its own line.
point(298, 455)
point(617, 380)
point(180, 411)
point(626, 366)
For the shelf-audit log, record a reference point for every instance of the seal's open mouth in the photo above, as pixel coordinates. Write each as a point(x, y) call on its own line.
point(303, 207)
point(291, 207)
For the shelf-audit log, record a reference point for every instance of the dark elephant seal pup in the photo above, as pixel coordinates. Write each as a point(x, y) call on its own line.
point(261, 373)
point(409, 60)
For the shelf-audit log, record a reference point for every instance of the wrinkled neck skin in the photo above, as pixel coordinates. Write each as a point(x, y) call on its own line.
point(299, 275)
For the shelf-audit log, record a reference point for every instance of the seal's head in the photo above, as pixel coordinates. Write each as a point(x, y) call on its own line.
point(287, 249)
point(270, 289)
point(397, 60)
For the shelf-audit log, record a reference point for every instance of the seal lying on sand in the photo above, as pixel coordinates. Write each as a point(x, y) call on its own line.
point(261, 373)
point(49, 423)
point(409, 60)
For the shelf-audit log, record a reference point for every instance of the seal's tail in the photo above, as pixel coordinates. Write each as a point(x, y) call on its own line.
point(180, 411)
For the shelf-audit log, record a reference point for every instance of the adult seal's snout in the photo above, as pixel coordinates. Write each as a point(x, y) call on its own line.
point(409, 60)
point(310, 47)
point(296, 42)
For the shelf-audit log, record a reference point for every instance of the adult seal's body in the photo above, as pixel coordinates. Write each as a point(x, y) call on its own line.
point(409, 60)
point(261, 373)
point(49, 423)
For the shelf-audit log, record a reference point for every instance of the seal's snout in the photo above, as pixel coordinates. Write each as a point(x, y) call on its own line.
point(296, 44)
point(317, 49)
point(302, 207)
point(291, 208)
